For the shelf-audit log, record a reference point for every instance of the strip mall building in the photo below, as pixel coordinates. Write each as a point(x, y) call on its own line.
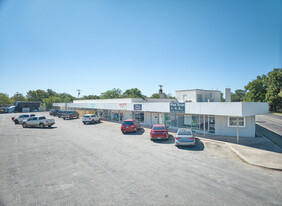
point(198, 109)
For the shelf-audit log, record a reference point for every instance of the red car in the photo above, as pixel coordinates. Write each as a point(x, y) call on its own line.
point(130, 125)
point(159, 131)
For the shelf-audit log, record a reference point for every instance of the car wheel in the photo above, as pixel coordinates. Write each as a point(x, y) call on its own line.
point(41, 125)
point(84, 122)
point(24, 125)
point(49, 126)
point(16, 122)
point(92, 122)
point(64, 118)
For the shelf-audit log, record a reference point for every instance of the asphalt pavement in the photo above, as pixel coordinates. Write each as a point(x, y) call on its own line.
point(76, 164)
point(270, 126)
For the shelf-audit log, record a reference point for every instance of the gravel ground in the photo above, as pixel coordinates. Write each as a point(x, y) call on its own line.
point(76, 164)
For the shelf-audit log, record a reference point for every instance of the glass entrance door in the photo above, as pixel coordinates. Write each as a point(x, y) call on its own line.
point(211, 124)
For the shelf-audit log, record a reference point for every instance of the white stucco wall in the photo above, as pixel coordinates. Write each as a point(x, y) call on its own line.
point(191, 95)
point(221, 127)
point(183, 96)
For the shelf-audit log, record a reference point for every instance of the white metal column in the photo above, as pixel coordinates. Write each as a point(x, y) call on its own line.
point(237, 130)
point(204, 125)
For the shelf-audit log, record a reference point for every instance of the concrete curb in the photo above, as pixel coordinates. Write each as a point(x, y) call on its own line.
point(248, 162)
point(241, 157)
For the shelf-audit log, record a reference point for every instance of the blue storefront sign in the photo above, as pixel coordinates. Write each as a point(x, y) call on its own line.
point(138, 107)
point(177, 107)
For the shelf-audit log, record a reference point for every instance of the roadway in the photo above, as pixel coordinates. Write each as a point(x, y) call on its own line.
point(270, 126)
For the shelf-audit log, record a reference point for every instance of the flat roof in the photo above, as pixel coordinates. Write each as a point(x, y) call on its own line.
point(196, 90)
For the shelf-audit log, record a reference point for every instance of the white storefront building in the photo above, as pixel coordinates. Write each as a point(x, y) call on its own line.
point(200, 110)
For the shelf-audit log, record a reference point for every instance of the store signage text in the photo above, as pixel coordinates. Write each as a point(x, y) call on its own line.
point(138, 107)
point(177, 107)
point(122, 105)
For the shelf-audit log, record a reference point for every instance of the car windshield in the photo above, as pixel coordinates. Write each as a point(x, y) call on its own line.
point(127, 123)
point(159, 128)
point(86, 116)
point(184, 132)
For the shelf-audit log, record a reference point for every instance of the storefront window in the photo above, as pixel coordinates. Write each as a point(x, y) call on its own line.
point(232, 121)
point(171, 120)
point(184, 121)
point(139, 116)
point(115, 116)
point(195, 122)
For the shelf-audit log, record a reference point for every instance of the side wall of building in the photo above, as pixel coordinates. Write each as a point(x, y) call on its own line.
point(221, 127)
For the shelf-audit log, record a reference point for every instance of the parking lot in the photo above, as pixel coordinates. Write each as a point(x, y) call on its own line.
point(95, 164)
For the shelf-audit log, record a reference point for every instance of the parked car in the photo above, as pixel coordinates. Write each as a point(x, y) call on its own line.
point(70, 115)
point(159, 131)
point(40, 121)
point(19, 119)
point(3, 110)
point(185, 137)
point(130, 125)
point(90, 118)
point(53, 112)
point(60, 112)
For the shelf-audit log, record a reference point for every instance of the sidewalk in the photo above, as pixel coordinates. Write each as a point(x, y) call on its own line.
point(258, 151)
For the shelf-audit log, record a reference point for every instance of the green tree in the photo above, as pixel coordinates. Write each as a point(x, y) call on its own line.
point(274, 87)
point(111, 94)
point(65, 97)
point(48, 102)
point(38, 95)
point(18, 97)
point(133, 93)
point(50, 92)
point(280, 93)
point(256, 89)
point(4, 99)
point(238, 96)
point(221, 97)
point(90, 97)
point(155, 96)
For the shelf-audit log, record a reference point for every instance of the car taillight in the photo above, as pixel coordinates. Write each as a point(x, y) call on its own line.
point(132, 126)
point(192, 138)
point(89, 118)
point(177, 138)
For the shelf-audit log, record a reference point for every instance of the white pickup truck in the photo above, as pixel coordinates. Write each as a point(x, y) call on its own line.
point(19, 119)
point(40, 121)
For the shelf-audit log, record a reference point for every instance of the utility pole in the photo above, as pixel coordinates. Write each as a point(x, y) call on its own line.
point(17, 96)
point(78, 92)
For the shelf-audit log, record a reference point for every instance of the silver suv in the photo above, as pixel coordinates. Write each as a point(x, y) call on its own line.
point(90, 118)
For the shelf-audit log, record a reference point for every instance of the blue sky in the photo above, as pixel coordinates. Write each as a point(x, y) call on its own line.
point(96, 45)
